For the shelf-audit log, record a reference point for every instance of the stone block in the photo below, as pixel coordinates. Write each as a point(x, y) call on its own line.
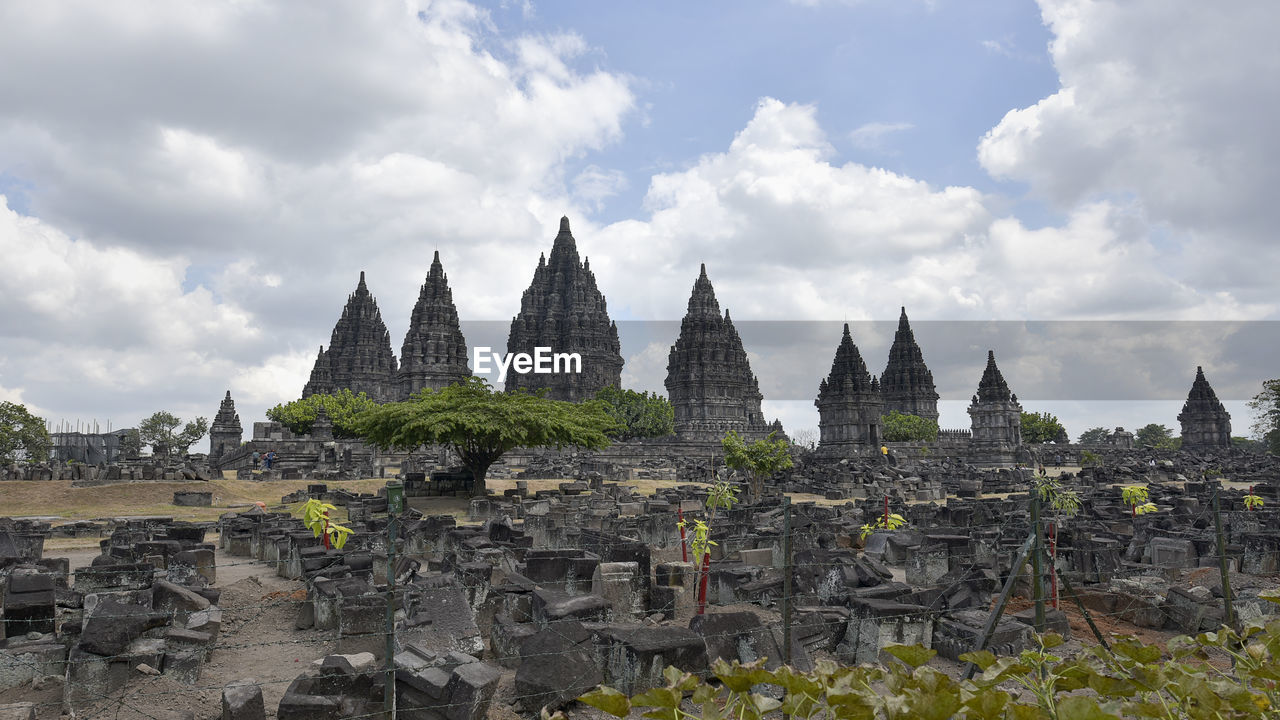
point(470, 690)
point(574, 671)
point(242, 700)
point(635, 655)
point(759, 556)
point(18, 711)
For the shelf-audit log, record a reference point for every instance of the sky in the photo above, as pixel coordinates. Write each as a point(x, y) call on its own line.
point(189, 190)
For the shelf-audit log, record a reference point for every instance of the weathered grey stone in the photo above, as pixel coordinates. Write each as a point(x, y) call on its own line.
point(242, 700)
point(557, 665)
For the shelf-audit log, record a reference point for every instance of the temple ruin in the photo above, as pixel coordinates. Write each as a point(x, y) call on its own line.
point(709, 379)
point(849, 403)
point(906, 384)
point(564, 310)
point(1205, 422)
point(359, 357)
point(434, 353)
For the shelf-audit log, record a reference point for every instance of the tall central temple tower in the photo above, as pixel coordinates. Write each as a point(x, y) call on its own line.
point(563, 310)
point(709, 380)
point(907, 385)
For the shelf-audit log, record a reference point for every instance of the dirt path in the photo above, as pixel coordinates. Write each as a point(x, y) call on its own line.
point(257, 640)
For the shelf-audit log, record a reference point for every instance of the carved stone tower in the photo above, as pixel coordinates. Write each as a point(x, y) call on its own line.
point(849, 402)
point(226, 433)
point(996, 415)
point(564, 311)
point(907, 385)
point(709, 380)
point(359, 355)
point(1205, 422)
point(434, 354)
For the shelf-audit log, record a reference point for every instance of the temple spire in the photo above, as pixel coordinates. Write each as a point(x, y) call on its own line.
point(906, 383)
point(564, 310)
point(709, 378)
point(359, 357)
point(434, 352)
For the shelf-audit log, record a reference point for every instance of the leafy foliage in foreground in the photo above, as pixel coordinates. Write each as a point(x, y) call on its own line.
point(1136, 680)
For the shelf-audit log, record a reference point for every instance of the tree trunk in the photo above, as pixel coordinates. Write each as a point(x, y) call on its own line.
point(479, 470)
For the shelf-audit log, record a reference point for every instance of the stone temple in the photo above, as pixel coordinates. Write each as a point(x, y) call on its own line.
point(907, 385)
point(709, 381)
point(434, 353)
point(996, 415)
point(359, 355)
point(849, 403)
point(564, 310)
point(1205, 422)
point(225, 433)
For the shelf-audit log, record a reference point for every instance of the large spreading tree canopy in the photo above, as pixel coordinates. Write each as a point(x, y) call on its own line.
point(23, 436)
point(481, 424)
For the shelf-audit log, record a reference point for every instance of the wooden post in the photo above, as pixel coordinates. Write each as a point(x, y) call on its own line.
point(1037, 561)
point(1003, 600)
point(1228, 607)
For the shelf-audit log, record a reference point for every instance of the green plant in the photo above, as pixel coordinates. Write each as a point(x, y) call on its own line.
point(1137, 498)
point(1042, 428)
point(315, 515)
point(892, 521)
point(160, 431)
point(758, 460)
point(701, 542)
point(341, 408)
point(1251, 501)
point(1094, 436)
point(481, 424)
point(23, 436)
point(899, 427)
point(1266, 415)
point(1190, 681)
point(1089, 458)
point(1063, 502)
point(638, 415)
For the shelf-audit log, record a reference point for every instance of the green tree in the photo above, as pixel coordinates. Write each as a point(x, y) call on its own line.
point(130, 444)
point(639, 415)
point(481, 424)
point(1266, 415)
point(342, 407)
point(23, 436)
point(1042, 428)
point(160, 431)
point(759, 460)
point(1156, 436)
point(899, 427)
point(1094, 436)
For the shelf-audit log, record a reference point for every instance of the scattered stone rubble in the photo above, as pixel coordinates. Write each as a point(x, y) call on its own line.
point(559, 590)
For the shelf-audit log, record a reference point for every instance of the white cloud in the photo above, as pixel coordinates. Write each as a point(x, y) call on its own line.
point(1172, 105)
point(871, 136)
